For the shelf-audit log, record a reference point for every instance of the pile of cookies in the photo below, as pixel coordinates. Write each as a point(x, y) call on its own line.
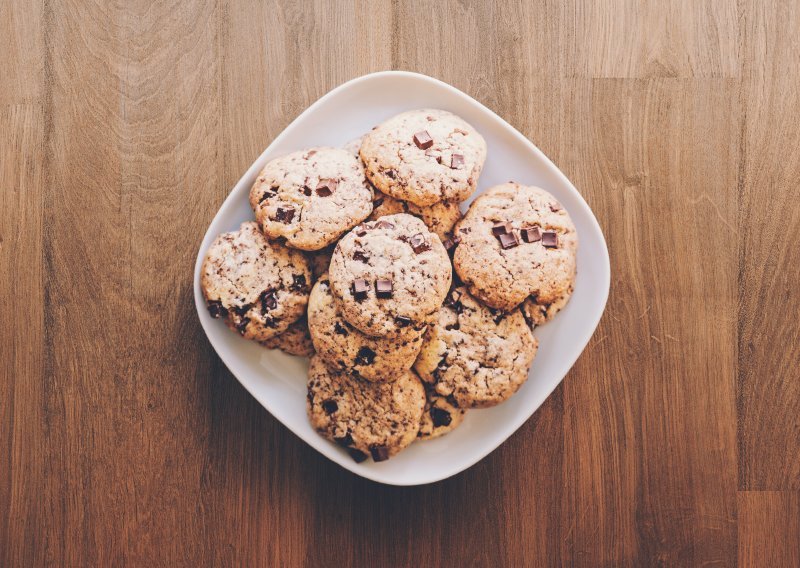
point(360, 258)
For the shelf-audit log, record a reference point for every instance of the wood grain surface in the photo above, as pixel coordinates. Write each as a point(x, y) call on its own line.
point(675, 439)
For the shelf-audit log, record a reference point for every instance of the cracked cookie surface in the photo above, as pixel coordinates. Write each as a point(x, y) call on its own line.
point(399, 252)
point(296, 340)
point(258, 287)
point(475, 355)
point(424, 156)
point(344, 348)
point(312, 197)
point(370, 419)
point(517, 242)
point(439, 417)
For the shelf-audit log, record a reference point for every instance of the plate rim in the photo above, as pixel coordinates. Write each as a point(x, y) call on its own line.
point(510, 428)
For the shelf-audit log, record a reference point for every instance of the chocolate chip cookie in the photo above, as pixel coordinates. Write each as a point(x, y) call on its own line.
point(516, 242)
point(424, 156)
point(369, 419)
point(310, 198)
point(440, 218)
point(296, 340)
point(390, 274)
point(345, 349)
point(439, 417)
point(475, 355)
point(258, 287)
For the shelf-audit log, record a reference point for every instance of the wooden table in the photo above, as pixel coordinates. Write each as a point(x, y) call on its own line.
point(675, 439)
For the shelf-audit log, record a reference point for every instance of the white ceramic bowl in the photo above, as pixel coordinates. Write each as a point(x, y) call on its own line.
point(278, 381)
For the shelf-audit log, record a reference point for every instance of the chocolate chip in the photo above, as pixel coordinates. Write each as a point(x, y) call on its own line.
point(216, 309)
point(440, 417)
point(326, 187)
point(360, 256)
point(377, 203)
point(554, 207)
point(340, 329)
point(361, 232)
point(360, 288)
point(384, 225)
point(501, 229)
point(306, 191)
point(456, 161)
point(241, 310)
point(550, 239)
point(310, 153)
point(402, 321)
point(298, 283)
point(268, 300)
point(423, 140)
point(268, 195)
point(379, 453)
point(357, 456)
point(452, 326)
point(419, 244)
point(346, 440)
point(530, 234)
point(284, 214)
point(330, 406)
point(508, 240)
point(390, 174)
point(365, 356)
point(383, 288)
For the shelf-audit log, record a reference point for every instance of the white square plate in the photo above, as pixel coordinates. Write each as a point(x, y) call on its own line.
point(278, 381)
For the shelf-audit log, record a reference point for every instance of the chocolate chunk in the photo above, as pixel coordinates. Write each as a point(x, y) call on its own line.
point(361, 232)
point(501, 229)
point(383, 288)
point(357, 456)
point(390, 173)
point(346, 440)
point(402, 321)
point(450, 243)
point(440, 417)
point(550, 239)
point(330, 406)
point(216, 309)
point(530, 234)
point(365, 356)
point(379, 453)
point(508, 240)
point(423, 140)
point(431, 153)
point(384, 225)
point(419, 244)
point(272, 192)
point(326, 187)
point(360, 256)
point(452, 326)
point(377, 203)
point(360, 288)
point(298, 283)
point(241, 310)
point(340, 329)
point(241, 325)
point(456, 161)
point(268, 300)
point(554, 207)
point(497, 315)
point(465, 230)
point(284, 214)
